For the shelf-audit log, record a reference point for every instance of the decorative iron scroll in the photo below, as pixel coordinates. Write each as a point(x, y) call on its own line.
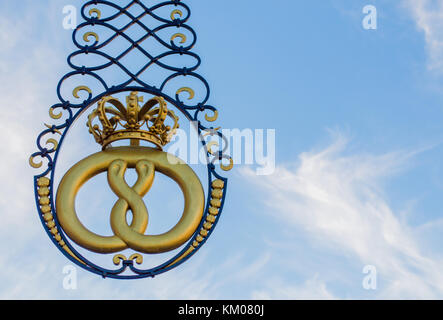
point(136, 28)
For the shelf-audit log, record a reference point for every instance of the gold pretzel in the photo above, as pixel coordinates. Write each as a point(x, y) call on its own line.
point(146, 161)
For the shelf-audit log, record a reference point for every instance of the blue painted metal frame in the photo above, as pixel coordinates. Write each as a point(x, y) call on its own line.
point(72, 111)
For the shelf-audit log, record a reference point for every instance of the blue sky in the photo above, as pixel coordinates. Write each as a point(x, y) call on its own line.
point(359, 135)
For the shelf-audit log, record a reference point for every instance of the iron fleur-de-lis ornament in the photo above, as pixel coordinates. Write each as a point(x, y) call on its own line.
point(143, 116)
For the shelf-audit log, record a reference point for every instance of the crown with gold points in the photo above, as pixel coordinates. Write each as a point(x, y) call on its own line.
point(132, 122)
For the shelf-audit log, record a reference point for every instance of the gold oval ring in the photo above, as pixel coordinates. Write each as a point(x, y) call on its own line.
point(130, 236)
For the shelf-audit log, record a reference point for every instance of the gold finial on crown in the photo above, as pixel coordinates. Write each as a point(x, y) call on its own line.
point(120, 123)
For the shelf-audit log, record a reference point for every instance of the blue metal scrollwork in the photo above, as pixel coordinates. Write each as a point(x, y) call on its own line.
point(106, 23)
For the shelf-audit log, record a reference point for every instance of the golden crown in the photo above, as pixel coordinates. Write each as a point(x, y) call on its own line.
point(120, 123)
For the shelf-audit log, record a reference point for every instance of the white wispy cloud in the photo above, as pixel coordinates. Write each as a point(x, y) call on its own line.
point(337, 202)
point(428, 15)
point(25, 81)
